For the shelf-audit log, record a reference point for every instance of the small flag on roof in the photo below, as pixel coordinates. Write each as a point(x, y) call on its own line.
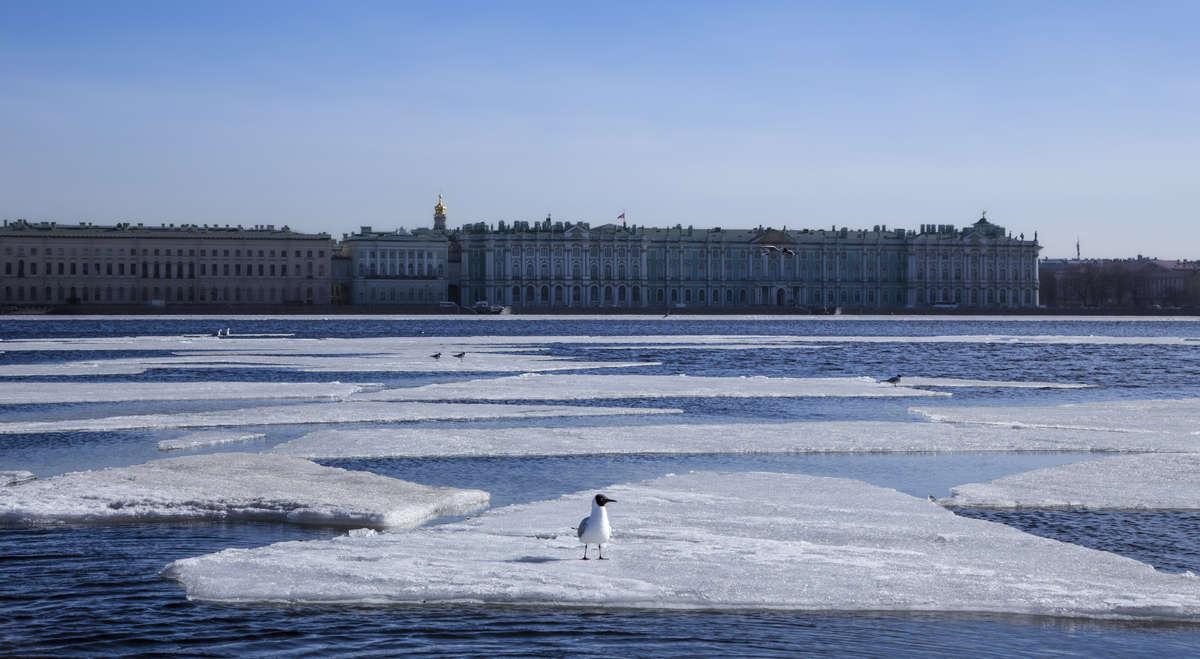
point(621, 216)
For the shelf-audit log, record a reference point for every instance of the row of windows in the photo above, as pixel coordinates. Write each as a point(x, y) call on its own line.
point(164, 270)
point(398, 270)
point(392, 254)
point(976, 297)
point(72, 293)
point(958, 273)
point(49, 251)
point(408, 294)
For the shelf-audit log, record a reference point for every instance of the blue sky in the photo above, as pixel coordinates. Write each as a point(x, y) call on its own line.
point(1069, 119)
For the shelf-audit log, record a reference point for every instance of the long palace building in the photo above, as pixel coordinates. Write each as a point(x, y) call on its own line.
point(562, 264)
point(522, 264)
point(50, 264)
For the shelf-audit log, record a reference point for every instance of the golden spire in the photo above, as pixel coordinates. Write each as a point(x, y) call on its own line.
point(440, 209)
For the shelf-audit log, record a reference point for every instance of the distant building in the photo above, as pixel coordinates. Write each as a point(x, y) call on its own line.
point(47, 264)
point(1139, 282)
point(538, 264)
point(400, 267)
point(562, 264)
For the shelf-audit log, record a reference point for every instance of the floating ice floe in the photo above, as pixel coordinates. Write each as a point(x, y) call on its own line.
point(801, 437)
point(233, 486)
point(1136, 416)
point(387, 363)
point(208, 438)
point(16, 477)
point(25, 393)
point(954, 382)
point(710, 541)
point(318, 413)
point(418, 345)
point(1126, 482)
point(70, 369)
point(585, 387)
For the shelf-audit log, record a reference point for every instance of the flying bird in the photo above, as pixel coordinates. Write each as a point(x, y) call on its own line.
point(788, 251)
point(594, 529)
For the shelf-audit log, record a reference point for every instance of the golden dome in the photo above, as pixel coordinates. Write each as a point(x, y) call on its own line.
point(440, 209)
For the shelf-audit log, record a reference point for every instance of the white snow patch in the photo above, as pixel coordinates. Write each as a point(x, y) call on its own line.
point(232, 486)
point(1134, 416)
point(1126, 482)
point(110, 367)
point(13, 393)
point(586, 387)
point(208, 438)
point(954, 382)
point(710, 541)
point(800, 437)
point(16, 477)
point(314, 413)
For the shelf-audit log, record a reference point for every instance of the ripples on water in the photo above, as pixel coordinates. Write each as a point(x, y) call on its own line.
point(95, 591)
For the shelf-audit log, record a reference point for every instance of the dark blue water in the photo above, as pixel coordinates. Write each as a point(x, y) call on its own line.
point(95, 591)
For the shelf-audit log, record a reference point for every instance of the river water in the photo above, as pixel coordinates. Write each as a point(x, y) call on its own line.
point(95, 590)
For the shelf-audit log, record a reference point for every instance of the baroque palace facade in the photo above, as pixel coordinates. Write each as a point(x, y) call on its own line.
point(523, 264)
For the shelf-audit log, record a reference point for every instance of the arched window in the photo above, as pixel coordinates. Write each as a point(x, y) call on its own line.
point(661, 295)
point(870, 297)
point(729, 295)
point(636, 293)
point(529, 299)
point(545, 271)
point(575, 271)
point(108, 294)
point(674, 295)
point(558, 295)
point(575, 294)
point(595, 295)
point(700, 295)
point(620, 294)
point(742, 296)
point(516, 294)
point(608, 296)
point(687, 295)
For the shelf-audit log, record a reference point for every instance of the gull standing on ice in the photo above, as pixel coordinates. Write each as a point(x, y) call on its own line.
point(594, 529)
point(893, 380)
point(437, 356)
point(460, 355)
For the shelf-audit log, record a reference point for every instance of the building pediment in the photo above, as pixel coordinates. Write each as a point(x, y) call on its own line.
point(774, 237)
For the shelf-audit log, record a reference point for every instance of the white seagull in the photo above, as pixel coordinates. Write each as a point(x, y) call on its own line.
point(594, 529)
point(893, 380)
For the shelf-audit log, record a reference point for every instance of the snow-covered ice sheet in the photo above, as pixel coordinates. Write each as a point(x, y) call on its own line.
point(954, 382)
point(1136, 416)
point(386, 363)
point(233, 486)
point(709, 541)
point(15, 477)
point(25, 393)
point(208, 438)
point(103, 367)
point(319, 413)
point(585, 387)
point(1125, 482)
point(800, 437)
point(382, 345)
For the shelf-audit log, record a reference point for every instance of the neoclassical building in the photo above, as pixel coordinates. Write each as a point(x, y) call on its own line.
point(49, 264)
point(562, 264)
point(400, 267)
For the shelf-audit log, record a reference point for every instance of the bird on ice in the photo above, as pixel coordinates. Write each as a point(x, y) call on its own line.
point(594, 529)
point(895, 380)
point(437, 356)
point(460, 355)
